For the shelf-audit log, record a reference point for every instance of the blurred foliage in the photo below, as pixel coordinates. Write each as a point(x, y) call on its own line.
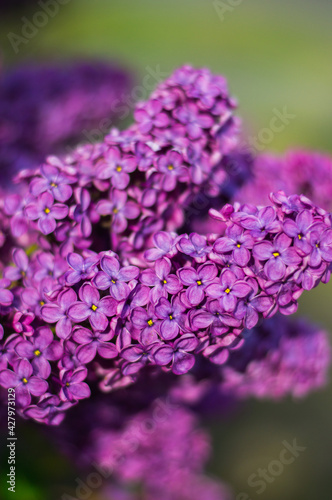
point(274, 54)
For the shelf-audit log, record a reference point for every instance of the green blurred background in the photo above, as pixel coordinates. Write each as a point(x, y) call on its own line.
point(274, 53)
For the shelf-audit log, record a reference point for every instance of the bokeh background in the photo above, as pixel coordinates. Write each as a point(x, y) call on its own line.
point(275, 54)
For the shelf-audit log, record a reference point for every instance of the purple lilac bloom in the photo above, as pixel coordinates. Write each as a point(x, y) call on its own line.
point(46, 211)
point(172, 317)
point(92, 307)
point(58, 313)
point(114, 278)
point(161, 280)
point(6, 296)
point(92, 343)
point(72, 386)
point(39, 350)
point(197, 281)
point(80, 268)
point(179, 355)
point(116, 168)
point(119, 208)
point(24, 382)
point(172, 168)
point(193, 120)
point(277, 255)
point(237, 242)
point(229, 290)
point(150, 115)
point(53, 181)
point(21, 262)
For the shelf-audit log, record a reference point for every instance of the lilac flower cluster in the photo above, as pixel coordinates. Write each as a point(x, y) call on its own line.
point(297, 172)
point(195, 300)
point(279, 358)
point(48, 108)
point(101, 280)
point(160, 447)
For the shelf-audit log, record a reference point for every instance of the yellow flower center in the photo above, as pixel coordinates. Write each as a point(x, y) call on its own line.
point(170, 167)
point(47, 210)
point(150, 322)
point(41, 302)
point(276, 254)
point(67, 384)
point(317, 245)
point(24, 380)
point(118, 168)
point(94, 308)
point(199, 282)
point(115, 210)
point(113, 281)
point(170, 317)
point(239, 245)
point(227, 290)
point(37, 352)
point(299, 236)
point(53, 185)
point(165, 281)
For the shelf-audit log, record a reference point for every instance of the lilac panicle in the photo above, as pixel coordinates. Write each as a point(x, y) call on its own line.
point(103, 277)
